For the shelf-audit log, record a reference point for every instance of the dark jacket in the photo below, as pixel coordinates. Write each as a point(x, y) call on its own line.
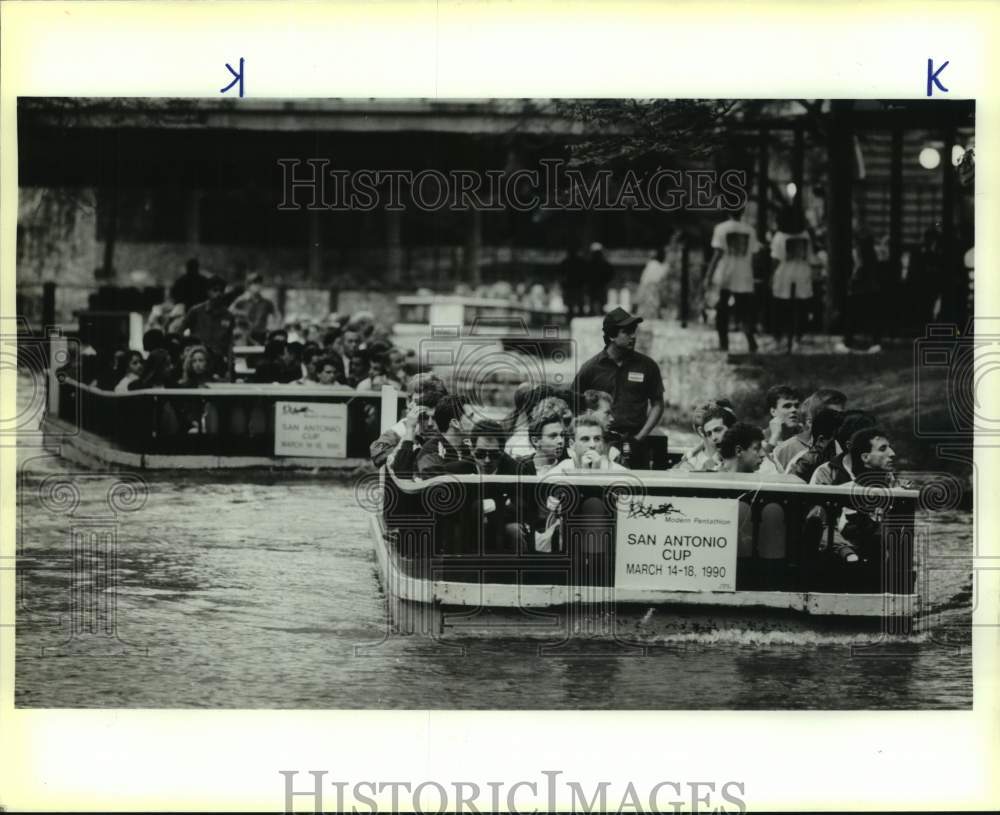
point(190, 289)
point(805, 465)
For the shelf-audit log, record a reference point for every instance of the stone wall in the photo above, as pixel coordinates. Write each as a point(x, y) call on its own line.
point(57, 236)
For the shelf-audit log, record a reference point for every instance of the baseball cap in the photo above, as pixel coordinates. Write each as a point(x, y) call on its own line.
point(618, 319)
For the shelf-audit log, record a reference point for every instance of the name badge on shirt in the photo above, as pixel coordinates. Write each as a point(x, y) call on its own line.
point(636, 376)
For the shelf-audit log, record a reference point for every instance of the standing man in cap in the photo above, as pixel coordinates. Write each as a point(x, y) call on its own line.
point(212, 322)
point(634, 382)
point(259, 311)
point(599, 277)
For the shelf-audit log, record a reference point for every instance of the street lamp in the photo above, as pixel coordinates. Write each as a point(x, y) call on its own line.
point(929, 158)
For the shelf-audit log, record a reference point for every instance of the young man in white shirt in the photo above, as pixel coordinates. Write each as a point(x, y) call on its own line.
point(731, 271)
point(588, 451)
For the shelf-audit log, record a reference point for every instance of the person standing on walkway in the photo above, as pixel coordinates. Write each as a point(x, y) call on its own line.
point(599, 276)
point(791, 286)
point(572, 275)
point(260, 312)
point(212, 323)
point(651, 284)
point(731, 272)
point(191, 288)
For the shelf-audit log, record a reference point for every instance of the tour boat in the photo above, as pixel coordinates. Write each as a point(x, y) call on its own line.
point(512, 326)
point(636, 554)
point(223, 426)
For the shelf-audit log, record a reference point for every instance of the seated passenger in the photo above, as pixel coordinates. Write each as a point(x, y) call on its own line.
point(197, 371)
point(823, 445)
point(549, 444)
point(550, 405)
point(157, 372)
point(312, 355)
point(526, 396)
point(840, 468)
point(711, 424)
point(131, 372)
point(836, 469)
point(860, 531)
point(327, 373)
point(788, 449)
point(783, 406)
point(588, 452)
point(740, 449)
point(424, 390)
point(599, 403)
point(273, 368)
point(488, 456)
point(447, 449)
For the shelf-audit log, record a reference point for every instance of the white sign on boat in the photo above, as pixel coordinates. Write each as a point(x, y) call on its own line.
point(677, 543)
point(315, 429)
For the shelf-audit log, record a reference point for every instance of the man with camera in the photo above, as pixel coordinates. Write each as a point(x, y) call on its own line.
point(634, 382)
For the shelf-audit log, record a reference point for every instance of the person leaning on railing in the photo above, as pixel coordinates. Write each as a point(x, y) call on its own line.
point(423, 391)
point(449, 442)
point(130, 371)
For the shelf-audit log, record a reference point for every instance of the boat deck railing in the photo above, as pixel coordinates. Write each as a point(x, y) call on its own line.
point(786, 530)
point(218, 420)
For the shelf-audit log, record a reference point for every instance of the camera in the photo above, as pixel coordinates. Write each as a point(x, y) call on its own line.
point(42, 362)
point(954, 375)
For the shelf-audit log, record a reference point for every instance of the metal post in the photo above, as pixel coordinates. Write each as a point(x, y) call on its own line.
point(951, 308)
point(840, 178)
point(685, 283)
point(48, 306)
point(762, 183)
point(798, 168)
point(896, 215)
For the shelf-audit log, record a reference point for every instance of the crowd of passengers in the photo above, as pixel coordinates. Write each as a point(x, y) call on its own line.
point(818, 440)
point(189, 342)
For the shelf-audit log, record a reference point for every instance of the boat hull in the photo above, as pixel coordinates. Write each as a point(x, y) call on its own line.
point(445, 609)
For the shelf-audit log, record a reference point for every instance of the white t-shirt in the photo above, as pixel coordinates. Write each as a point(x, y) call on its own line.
point(795, 256)
point(568, 465)
point(654, 272)
point(737, 241)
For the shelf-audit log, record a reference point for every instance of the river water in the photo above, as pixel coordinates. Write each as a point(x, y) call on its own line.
point(256, 592)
